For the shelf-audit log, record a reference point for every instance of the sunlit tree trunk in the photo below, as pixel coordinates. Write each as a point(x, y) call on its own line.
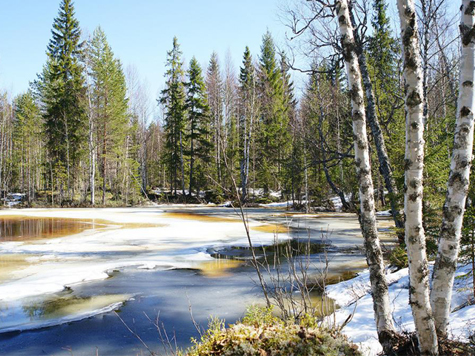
point(414, 166)
point(374, 254)
point(383, 158)
point(457, 187)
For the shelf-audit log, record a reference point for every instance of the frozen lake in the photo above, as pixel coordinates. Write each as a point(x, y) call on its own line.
point(65, 271)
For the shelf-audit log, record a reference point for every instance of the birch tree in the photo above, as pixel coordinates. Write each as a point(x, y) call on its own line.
point(414, 165)
point(214, 86)
point(458, 183)
point(91, 139)
point(248, 99)
point(374, 254)
point(373, 121)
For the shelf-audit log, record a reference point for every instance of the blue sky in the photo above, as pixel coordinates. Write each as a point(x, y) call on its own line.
point(139, 31)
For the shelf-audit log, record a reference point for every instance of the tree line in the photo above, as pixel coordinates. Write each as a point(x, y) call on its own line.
point(81, 135)
point(393, 131)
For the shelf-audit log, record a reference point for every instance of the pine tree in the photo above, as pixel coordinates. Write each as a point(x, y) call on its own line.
point(173, 99)
point(110, 105)
point(61, 86)
point(198, 130)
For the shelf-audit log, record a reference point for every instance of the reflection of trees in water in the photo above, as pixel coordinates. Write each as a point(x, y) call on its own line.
point(296, 247)
point(67, 305)
point(51, 307)
point(22, 228)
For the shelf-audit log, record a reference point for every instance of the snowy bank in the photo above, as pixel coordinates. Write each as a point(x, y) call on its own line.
point(353, 296)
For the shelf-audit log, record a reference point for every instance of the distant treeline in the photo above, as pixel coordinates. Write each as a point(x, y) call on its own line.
point(81, 135)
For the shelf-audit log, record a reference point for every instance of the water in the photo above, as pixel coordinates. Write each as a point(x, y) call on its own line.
point(24, 228)
point(60, 289)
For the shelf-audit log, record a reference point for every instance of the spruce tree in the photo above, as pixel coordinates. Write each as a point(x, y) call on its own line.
point(198, 128)
point(173, 99)
point(247, 117)
point(61, 87)
point(273, 131)
point(382, 46)
point(110, 106)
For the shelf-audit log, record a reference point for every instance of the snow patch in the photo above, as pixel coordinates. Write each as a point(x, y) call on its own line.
point(355, 298)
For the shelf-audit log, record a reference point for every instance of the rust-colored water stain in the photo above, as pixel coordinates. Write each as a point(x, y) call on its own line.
point(317, 215)
point(218, 268)
point(271, 228)
point(27, 228)
point(22, 228)
point(198, 217)
point(322, 305)
point(136, 225)
point(334, 278)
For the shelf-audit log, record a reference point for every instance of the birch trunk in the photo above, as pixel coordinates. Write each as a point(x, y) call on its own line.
point(307, 200)
point(457, 187)
point(92, 163)
point(92, 150)
point(192, 162)
point(2, 150)
point(414, 165)
point(182, 167)
point(374, 254)
point(383, 158)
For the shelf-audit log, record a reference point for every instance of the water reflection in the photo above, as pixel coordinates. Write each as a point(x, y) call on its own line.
point(60, 307)
point(219, 268)
point(21, 228)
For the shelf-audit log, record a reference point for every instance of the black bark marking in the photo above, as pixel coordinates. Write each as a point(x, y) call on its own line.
point(413, 99)
point(464, 111)
point(470, 8)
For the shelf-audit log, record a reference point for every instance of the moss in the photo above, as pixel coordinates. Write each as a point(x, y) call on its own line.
point(261, 333)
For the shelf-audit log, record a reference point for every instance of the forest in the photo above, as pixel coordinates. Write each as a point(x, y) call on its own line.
point(80, 137)
point(383, 123)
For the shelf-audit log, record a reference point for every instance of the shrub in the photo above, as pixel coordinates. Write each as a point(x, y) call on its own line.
point(261, 333)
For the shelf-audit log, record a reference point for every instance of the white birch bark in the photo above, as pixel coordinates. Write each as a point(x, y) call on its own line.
point(457, 186)
point(374, 254)
point(90, 141)
point(414, 165)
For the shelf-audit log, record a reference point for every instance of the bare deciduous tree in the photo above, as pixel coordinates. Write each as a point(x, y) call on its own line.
point(414, 165)
point(457, 188)
point(374, 254)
